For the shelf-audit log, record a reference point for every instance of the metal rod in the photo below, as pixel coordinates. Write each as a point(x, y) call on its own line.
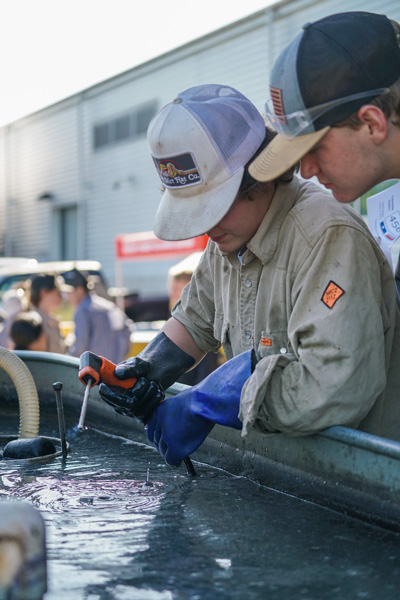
point(190, 468)
point(57, 387)
point(81, 422)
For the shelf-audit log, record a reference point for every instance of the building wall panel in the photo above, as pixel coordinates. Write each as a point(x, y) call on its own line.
point(116, 188)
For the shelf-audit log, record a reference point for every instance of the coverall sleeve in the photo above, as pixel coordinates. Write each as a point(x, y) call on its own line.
point(334, 370)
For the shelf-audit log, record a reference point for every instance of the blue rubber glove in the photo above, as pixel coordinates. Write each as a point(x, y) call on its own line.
point(181, 423)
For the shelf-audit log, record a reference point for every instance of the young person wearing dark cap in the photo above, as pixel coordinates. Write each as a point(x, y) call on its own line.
point(45, 298)
point(100, 325)
point(307, 332)
point(335, 93)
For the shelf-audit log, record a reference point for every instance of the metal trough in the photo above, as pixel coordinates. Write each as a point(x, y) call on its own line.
point(343, 469)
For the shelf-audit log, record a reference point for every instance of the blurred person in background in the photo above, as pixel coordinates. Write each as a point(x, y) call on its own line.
point(13, 302)
point(100, 325)
point(179, 276)
point(27, 332)
point(46, 299)
point(3, 316)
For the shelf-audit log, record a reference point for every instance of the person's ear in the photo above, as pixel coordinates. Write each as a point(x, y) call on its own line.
point(377, 124)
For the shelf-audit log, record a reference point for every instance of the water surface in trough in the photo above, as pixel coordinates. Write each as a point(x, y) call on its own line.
point(113, 535)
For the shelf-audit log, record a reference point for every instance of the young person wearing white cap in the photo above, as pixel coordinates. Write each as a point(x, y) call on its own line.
point(335, 93)
point(307, 332)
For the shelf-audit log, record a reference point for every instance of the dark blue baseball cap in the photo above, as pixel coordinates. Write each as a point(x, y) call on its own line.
point(333, 67)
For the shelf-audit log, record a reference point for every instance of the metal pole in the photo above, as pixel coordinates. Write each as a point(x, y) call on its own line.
point(57, 387)
point(81, 426)
point(190, 467)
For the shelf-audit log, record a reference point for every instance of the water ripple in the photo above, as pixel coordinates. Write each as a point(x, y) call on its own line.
point(60, 495)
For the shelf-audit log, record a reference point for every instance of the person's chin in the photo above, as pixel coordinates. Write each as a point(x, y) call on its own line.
point(227, 244)
point(223, 247)
point(228, 249)
point(341, 196)
point(222, 243)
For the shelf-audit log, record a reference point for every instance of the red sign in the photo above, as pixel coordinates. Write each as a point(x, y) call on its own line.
point(147, 245)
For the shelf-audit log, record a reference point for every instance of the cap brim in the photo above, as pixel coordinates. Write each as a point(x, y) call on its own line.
point(182, 218)
point(282, 154)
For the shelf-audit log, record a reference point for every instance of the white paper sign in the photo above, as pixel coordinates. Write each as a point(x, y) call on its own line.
point(384, 214)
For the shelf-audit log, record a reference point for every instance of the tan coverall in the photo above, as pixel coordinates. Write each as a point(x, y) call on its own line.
point(316, 298)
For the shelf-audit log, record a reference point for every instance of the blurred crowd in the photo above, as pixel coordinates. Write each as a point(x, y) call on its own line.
point(31, 318)
point(50, 313)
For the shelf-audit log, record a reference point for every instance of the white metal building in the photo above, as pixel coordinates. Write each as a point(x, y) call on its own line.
point(77, 173)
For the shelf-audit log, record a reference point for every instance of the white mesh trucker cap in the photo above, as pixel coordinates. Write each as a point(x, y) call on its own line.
point(200, 143)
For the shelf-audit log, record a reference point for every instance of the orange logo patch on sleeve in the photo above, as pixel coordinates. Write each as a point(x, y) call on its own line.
point(266, 341)
point(332, 294)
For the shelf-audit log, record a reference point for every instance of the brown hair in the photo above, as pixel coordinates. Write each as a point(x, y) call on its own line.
point(25, 329)
point(42, 281)
point(249, 183)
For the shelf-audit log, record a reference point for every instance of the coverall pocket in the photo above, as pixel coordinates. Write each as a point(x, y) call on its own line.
point(273, 343)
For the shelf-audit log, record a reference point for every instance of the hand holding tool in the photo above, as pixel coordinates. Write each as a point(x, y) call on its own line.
point(95, 369)
point(161, 361)
point(100, 370)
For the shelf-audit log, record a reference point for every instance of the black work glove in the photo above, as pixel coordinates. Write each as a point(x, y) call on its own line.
point(138, 402)
point(157, 367)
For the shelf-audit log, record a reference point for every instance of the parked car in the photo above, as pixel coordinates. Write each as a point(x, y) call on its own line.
point(12, 274)
point(12, 261)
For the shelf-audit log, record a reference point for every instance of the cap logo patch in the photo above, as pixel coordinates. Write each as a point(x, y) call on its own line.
point(178, 171)
point(276, 95)
point(332, 294)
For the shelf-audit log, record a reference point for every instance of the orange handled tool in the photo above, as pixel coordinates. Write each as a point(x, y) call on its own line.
point(95, 369)
point(98, 369)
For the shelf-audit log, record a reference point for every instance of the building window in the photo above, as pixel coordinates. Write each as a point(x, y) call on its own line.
point(101, 136)
point(124, 127)
point(143, 117)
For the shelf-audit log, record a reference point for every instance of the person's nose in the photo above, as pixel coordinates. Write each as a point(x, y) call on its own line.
point(308, 166)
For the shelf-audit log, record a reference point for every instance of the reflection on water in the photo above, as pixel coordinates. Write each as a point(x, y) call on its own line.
point(121, 525)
